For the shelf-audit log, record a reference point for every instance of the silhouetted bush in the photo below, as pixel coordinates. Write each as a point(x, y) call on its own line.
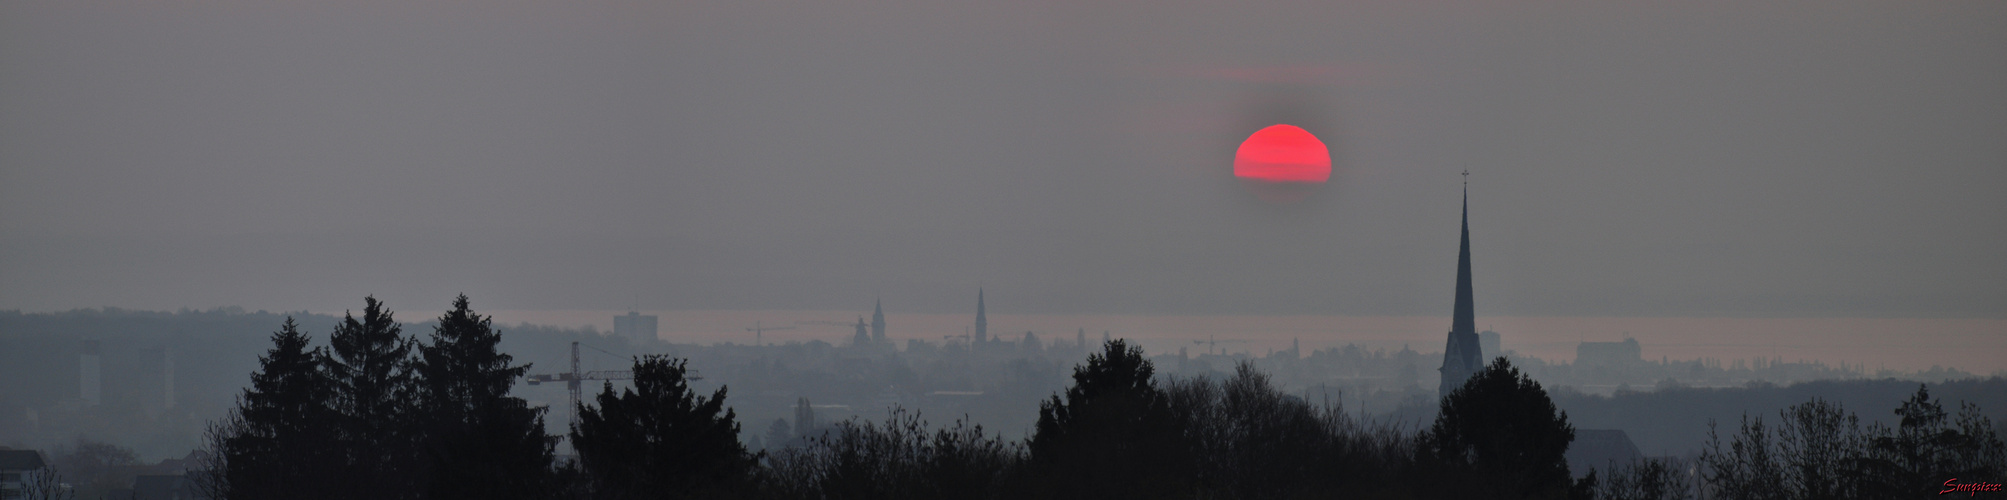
point(898, 458)
point(1651, 479)
point(1253, 441)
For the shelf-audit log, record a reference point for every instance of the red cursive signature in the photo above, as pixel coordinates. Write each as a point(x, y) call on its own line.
point(1952, 485)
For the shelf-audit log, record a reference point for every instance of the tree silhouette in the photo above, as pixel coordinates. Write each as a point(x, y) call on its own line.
point(1253, 441)
point(1499, 436)
point(480, 442)
point(94, 468)
point(1649, 479)
point(1817, 442)
point(45, 483)
point(1819, 450)
point(1113, 436)
point(896, 459)
point(278, 446)
point(1749, 469)
point(374, 392)
point(659, 439)
point(779, 434)
point(1928, 447)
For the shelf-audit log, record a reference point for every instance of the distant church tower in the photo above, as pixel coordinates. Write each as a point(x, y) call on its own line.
point(1461, 358)
point(878, 322)
point(982, 321)
point(861, 339)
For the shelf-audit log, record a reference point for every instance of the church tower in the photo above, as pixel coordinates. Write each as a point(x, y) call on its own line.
point(982, 322)
point(1461, 358)
point(878, 322)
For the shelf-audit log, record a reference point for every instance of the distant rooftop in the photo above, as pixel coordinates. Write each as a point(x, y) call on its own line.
point(20, 460)
point(1600, 449)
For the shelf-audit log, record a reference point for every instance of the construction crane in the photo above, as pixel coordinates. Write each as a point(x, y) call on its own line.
point(1211, 343)
point(760, 332)
point(574, 379)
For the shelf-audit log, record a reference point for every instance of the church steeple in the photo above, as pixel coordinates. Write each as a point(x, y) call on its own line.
point(1466, 318)
point(982, 321)
point(878, 321)
point(1461, 356)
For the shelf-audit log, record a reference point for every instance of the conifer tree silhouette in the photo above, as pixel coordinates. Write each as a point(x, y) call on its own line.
point(278, 443)
point(1499, 436)
point(480, 442)
point(1113, 436)
point(660, 439)
point(374, 395)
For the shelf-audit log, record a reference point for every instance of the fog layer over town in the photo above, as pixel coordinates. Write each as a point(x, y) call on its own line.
point(163, 375)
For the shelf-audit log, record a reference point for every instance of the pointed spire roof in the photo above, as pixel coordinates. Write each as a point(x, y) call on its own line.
point(1461, 356)
point(982, 321)
point(878, 320)
point(1465, 320)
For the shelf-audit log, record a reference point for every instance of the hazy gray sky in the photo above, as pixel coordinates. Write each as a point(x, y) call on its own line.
point(1764, 159)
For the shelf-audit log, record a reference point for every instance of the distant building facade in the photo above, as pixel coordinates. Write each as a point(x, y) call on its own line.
point(635, 326)
point(15, 465)
point(1611, 354)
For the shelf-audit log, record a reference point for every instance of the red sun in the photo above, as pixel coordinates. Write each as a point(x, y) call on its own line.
point(1283, 153)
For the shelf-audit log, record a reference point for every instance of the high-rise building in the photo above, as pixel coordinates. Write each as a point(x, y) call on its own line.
point(805, 425)
point(167, 377)
point(635, 326)
point(982, 320)
point(1488, 341)
point(878, 321)
point(1462, 357)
